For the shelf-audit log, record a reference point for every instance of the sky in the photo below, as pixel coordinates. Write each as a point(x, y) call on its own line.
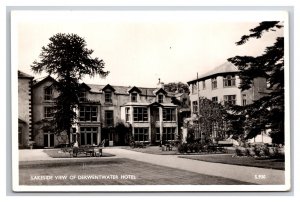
point(139, 47)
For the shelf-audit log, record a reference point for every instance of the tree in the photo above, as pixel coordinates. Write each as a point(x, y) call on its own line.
point(67, 58)
point(268, 111)
point(178, 87)
point(212, 117)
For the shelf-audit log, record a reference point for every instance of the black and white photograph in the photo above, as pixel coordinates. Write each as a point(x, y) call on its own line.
point(150, 100)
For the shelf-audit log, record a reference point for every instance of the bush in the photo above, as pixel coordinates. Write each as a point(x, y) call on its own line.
point(182, 148)
point(241, 151)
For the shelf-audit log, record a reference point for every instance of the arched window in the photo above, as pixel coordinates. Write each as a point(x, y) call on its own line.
point(228, 81)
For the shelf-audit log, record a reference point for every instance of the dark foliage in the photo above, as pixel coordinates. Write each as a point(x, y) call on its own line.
point(67, 59)
point(268, 111)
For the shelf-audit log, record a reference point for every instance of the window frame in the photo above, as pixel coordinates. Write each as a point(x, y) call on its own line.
point(108, 97)
point(214, 83)
point(82, 96)
point(87, 115)
point(109, 121)
point(127, 114)
point(160, 98)
point(195, 107)
point(230, 101)
point(169, 133)
point(203, 85)
point(214, 99)
point(48, 112)
point(88, 131)
point(140, 114)
point(244, 99)
point(229, 81)
point(48, 96)
point(141, 132)
point(134, 95)
point(169, 114)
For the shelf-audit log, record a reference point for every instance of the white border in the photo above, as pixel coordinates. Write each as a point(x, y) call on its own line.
point(251, 15)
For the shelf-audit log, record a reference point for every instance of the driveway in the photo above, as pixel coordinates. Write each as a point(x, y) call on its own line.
point(242, 173)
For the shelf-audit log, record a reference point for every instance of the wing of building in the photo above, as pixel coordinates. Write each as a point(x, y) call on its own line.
point(24, 109)
point(221, 85)
point(148, 114)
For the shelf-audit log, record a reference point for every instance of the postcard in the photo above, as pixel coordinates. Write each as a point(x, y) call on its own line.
point(150, 100)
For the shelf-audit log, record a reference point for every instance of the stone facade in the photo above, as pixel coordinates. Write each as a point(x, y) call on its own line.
point(24, 109)
point(101, 109)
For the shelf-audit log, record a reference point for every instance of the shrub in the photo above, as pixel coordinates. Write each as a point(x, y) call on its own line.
point(240, 151)
point(182, 148)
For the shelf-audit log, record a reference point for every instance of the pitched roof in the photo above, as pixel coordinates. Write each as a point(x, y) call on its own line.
point(39, 81)
point(108, 87)
point(134, 88)
point(24, 75)
point(95, 88)
point(224, 68)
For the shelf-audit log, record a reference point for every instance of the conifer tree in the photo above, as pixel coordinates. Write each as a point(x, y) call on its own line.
point(67, 59)
point(268, 111)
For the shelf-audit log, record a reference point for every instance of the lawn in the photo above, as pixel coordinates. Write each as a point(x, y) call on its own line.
point(110, 171)
point(244, 161)
point(153, 150)
point(58, 153)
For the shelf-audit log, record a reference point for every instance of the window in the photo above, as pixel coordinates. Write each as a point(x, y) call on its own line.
point(108, 97)
point(195, 107)
point(141, 134)
point(140, 114)
point(214, 99)
point(88, 113)
point(133, 97)
point(48, 138)
point(48, 93)
point(127, 112)
point(169, 114)
point(48, 112)
point(244, 100)
point(194, 88)
point(229, 81)
point(157, 132)
point(155, 114)
point(230, 99)
point(20, 135)
point(160, 98)
point(82, 96)
point(169, 133)
point(109, 118)
point(214, 83)
point(203, 85)
point(88, 135)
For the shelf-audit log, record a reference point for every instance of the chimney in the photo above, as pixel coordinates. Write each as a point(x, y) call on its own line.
point(160, 84)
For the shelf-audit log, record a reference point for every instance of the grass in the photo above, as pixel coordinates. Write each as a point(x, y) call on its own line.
point(277, 164)
point(140, 173)
point(153, 150)
point(58, 153)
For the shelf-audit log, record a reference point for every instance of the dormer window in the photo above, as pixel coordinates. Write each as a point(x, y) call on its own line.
point(108, 97)
point(133, 97)
point(160, 98)
point(82, 96)
point(48, 93)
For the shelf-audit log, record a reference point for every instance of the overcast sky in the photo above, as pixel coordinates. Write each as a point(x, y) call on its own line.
point(140, 47)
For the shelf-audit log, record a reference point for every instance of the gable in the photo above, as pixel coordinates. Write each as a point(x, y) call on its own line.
point(108, 87)
point(135, 89)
